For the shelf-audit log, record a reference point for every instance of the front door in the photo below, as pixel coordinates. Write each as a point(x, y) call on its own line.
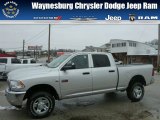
point(76, 81)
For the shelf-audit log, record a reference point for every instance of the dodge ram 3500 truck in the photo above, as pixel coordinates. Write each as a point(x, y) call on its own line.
point(75, 75)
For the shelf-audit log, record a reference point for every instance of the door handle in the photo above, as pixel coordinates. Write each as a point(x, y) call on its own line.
point(63, 81)
point(111, 70)
point(85, 73)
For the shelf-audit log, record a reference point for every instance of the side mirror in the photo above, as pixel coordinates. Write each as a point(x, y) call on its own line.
point(68, 66)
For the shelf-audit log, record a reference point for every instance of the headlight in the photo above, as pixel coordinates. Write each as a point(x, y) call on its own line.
point(16, 84)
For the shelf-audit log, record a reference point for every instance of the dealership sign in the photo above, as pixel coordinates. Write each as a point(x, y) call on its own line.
point(34, 47)
point(65, 10)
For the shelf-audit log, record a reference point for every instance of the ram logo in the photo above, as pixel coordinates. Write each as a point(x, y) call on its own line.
point(132, 17)
point(147, 17)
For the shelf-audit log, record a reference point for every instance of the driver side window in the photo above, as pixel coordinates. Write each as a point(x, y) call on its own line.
point(80, 61)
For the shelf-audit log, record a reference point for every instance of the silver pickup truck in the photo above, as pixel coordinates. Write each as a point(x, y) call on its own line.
point(75, 75)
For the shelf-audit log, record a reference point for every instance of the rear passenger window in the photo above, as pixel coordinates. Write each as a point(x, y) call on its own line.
point(3, 60)
point(100, 60)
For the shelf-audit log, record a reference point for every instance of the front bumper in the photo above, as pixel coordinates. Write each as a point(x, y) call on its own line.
point(14, 98)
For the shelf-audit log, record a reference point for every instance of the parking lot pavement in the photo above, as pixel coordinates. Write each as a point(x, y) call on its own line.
point(115, 106)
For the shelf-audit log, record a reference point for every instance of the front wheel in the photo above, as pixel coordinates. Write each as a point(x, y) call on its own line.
point(135, 92)
point(40, 105)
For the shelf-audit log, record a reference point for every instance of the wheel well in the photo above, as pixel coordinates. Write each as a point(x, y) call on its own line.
point(137, 78)
point(41, 87)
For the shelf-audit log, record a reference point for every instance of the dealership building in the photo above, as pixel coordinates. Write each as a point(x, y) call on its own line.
point(131, 52)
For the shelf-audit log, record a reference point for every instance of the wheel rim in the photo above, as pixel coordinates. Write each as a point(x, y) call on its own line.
point(137, 91)
point(41, 105)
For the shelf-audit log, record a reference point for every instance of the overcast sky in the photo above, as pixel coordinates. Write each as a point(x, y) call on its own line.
point(72, 36)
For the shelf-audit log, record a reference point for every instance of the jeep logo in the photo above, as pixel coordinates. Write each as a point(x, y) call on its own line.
point(113, 18)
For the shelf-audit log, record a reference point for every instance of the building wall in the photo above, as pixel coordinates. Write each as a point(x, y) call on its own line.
point(131, 47)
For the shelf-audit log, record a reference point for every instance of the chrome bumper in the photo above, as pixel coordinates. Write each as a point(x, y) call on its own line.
point(14, 98)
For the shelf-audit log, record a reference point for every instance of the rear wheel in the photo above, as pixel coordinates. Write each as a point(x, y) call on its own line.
point(135, 92)
point(40, 105)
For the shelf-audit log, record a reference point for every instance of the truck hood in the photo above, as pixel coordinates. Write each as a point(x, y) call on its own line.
point(26, 73)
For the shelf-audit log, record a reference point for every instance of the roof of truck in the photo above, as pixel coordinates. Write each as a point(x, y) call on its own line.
point(89, 53)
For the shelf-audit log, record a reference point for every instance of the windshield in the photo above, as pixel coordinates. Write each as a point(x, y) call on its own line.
point(57, 61)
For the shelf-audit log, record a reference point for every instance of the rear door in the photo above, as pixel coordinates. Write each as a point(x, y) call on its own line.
point(104, 75)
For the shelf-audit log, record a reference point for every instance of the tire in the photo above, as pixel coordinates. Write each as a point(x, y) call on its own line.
point(135, 92)
point(37, 102)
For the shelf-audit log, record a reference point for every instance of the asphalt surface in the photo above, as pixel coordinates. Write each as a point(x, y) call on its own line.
point(114, 106)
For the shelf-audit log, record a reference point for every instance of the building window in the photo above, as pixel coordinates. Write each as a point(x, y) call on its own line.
point(119, 45)
point(113, 45)
point(123, 44)
point(132, 44)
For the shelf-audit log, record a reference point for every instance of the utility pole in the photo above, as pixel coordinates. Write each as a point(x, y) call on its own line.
point(36, 53)
point(49, 39)
point(23, 47)
point(158, 57)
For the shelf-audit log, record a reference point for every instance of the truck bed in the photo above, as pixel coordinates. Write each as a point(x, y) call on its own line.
point(127, 72)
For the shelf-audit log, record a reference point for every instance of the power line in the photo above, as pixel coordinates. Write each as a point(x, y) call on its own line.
point(36, 38)
point(33, 37)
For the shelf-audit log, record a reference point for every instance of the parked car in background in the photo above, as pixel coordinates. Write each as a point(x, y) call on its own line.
point(2, 74)
point(11, 63)
point(75, 75)
point(28, 61)
point(117, 62)
point(51, 58)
